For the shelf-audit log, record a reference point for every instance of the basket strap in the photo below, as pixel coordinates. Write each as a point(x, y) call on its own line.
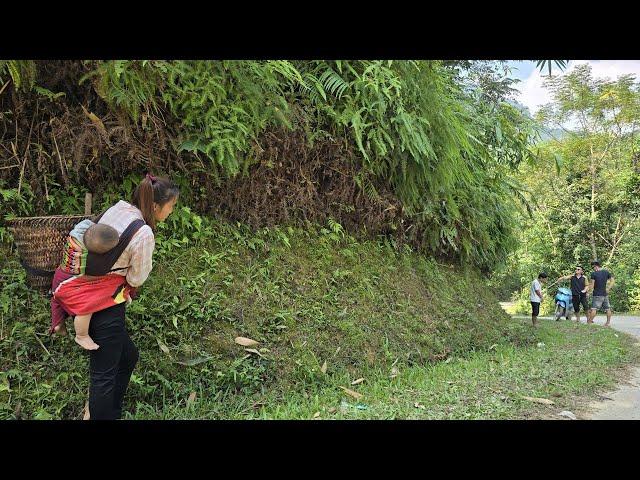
point(36, 271)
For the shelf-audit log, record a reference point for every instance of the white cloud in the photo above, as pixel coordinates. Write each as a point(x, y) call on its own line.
point(534, 95)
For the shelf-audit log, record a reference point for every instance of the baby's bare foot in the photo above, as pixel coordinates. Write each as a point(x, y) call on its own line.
point(60, 329)
point(86, 342)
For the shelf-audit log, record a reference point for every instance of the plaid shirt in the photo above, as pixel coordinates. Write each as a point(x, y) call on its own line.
point(137, 255)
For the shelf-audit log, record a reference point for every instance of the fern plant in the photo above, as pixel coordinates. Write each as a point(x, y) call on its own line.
point(444, 146)
point(234, 102)
point(127, 84)
point(21, 72)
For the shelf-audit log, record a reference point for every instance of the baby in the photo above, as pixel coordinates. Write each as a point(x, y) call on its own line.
point(95, 238)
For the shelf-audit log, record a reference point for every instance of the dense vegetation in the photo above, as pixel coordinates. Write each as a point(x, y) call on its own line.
point(419, 150)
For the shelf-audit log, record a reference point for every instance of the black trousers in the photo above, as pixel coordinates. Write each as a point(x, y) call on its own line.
point(535, 308)
point(578, 300)
point(111, 365)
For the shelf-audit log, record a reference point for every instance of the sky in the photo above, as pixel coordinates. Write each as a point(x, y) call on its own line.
point(533, 94)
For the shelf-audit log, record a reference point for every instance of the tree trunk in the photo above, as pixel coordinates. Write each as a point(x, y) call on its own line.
point(616, 239)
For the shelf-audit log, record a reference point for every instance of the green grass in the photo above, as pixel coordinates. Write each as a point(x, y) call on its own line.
point(309, 296)
point(573, 363)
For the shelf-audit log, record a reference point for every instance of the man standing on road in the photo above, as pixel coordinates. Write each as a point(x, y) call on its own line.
point(536, 296)
point(578, 291)
point(601, 283)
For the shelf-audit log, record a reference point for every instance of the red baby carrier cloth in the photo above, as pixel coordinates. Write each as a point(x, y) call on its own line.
point(96, 288)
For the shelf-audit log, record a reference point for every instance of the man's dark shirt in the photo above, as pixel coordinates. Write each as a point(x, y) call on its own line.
point(578, 284)
point(600, 287)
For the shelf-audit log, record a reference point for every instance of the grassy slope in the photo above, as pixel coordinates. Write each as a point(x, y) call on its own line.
point(308, 297)
point(572, 363)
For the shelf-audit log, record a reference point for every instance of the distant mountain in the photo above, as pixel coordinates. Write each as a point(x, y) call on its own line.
point(545, 133)
point(553, 133)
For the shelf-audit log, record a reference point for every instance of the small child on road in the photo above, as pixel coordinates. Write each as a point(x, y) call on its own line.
point(536, 296)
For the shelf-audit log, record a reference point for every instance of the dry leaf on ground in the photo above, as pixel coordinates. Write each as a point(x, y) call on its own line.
point(245, 342)
point(356, 382)
point(162, 346)
point(544, 401)
point(355, 395)
point(323, 368)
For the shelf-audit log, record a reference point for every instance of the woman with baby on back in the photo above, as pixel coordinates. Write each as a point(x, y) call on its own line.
point(102, 265)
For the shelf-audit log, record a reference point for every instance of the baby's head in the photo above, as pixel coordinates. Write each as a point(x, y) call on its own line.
point(100, 238)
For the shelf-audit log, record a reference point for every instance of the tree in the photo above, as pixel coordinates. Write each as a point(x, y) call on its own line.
point(561, 64)
point(606, 115)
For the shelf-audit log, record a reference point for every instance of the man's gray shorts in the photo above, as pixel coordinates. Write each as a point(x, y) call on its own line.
point(600, 302)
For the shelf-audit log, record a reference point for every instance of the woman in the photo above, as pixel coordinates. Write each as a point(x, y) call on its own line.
point(111, 365)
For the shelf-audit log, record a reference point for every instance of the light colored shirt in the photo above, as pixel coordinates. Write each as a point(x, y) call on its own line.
point(535, 285)
point(137, 257)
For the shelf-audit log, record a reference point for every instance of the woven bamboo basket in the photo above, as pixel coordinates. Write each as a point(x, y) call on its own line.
point(39, 241)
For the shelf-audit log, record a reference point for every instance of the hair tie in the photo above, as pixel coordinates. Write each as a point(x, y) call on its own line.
point(151, 178)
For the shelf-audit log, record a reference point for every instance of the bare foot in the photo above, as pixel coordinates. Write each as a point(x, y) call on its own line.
point(60, 329)
point(86, 342)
